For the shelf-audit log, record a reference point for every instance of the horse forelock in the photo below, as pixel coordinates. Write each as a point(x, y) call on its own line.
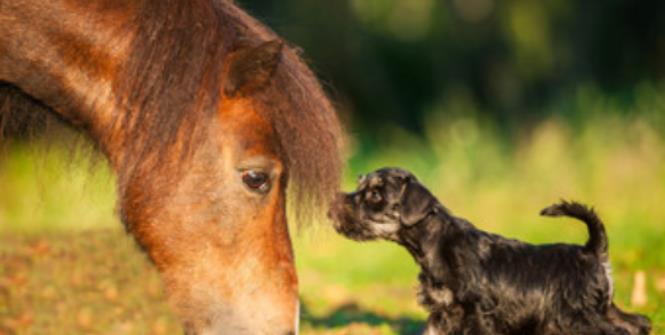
point(309, 134)
point(306, 124)
point(172, 84)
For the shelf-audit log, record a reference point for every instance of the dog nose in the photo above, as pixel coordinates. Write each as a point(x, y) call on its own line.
point(335, 206)
point(339, 208)
point(330, 214)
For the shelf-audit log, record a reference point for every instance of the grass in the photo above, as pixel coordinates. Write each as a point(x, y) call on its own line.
point(66, 266)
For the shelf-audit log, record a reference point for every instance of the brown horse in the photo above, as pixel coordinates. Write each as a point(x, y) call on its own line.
point(206, 117)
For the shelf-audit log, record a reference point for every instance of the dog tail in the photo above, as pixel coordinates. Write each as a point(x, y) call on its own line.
point(597, 242)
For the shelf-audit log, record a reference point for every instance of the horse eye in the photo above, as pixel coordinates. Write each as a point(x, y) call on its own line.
point(257, 181)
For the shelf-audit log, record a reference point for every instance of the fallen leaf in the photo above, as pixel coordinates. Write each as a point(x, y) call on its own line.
point(49, 292)
point(20, 322)
point(160, 326)
point(76, 279)
point(122, 328)
point(40, 248)
point(111, 293)
point(84, 318)
point(154, 289)
point(25, 320)
point(18, 279)
point(61, 308)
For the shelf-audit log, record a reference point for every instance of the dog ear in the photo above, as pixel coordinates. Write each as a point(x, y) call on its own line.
point(250, 68)
point(416, 202)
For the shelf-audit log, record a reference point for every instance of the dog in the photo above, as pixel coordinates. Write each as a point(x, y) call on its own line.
point(474, 282)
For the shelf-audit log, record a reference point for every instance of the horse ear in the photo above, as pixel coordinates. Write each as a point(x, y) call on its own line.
point(416, 203)
point(250, 68)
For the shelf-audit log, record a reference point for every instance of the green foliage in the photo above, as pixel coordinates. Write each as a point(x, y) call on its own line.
point(388, 61)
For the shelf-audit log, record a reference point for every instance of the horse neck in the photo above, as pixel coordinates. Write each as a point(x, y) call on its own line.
point(66, 53)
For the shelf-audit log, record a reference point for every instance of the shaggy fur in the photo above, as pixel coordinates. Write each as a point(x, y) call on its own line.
point(474, 282)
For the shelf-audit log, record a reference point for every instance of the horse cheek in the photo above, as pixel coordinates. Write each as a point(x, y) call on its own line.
point(270, 274)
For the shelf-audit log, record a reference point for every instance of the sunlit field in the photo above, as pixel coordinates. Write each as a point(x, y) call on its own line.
point(67, 267)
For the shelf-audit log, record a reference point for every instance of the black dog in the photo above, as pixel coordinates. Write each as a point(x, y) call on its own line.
point(473, 282)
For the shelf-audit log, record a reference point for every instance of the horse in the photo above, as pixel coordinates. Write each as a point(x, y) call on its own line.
point(214, 126)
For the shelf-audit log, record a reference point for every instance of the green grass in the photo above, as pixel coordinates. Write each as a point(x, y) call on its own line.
point(67, 267)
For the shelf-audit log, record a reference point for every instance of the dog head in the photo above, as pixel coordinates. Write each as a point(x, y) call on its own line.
point(386, 201)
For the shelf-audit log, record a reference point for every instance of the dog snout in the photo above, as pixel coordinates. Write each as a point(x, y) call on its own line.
point(337, 207)
point(342, 211)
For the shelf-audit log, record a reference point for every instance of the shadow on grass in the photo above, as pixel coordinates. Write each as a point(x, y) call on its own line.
point(351, 313)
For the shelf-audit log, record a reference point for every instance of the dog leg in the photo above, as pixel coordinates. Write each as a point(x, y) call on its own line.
point(445, 322)
point(599, 325)
point(475, 323)
point(435, 325)
point(433, 329)
point(634, 324)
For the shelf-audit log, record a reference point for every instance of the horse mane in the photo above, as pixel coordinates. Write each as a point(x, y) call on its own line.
point(170, 85)
point(21, 115)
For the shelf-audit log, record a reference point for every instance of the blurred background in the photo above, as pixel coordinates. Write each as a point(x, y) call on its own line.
point(501, 107)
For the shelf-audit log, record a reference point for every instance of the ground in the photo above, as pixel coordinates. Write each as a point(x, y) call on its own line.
point(98, 282)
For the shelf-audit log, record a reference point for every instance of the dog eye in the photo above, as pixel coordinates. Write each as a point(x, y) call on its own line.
point(374, 196)
point(256, 181)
